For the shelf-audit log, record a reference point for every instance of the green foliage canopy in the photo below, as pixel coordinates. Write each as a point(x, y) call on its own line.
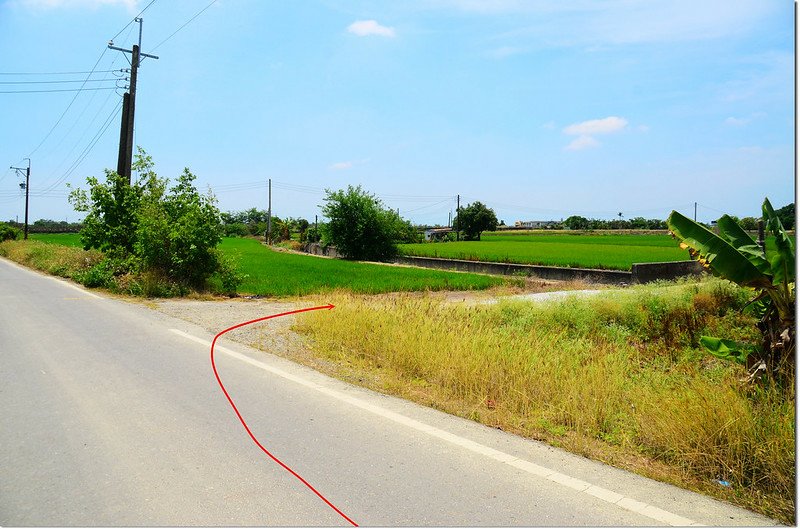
point(360, 226)
point(474, 219)
point(149, 227)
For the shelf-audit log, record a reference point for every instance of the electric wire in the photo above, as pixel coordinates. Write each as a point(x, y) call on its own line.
point(133, 19)
point(88, 148)
point(57, 82)
point(82, 89)
point(184, 24)
point(102, 54)
point(55, 73)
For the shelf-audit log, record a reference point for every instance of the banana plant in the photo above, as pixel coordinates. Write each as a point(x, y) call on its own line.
point(735, 256)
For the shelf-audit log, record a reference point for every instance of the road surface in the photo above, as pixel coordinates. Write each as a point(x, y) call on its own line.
point(111, 416)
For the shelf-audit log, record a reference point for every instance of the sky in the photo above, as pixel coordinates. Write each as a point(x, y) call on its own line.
point(540, 109)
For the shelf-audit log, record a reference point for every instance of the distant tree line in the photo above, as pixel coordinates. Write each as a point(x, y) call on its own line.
point(48, 226)
point(253, 222)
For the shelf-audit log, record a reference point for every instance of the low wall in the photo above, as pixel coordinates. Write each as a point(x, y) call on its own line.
point(316, 248)
point(639, 273)
point(614, 277)
point(647, 272)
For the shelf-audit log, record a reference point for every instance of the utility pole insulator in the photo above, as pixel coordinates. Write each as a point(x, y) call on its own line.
point(27, 187)
point(125, 157)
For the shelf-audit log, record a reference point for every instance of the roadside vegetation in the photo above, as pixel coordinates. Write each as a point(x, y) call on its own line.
point(621, 378)
point(263, 271)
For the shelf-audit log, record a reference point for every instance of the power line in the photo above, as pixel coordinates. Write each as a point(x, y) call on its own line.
point(68, 107)
point(56, 73)
point(75, 145)
point(133, 19)
point(184, 25)
point(82, 89)
point(62, 82)
point(87, 149)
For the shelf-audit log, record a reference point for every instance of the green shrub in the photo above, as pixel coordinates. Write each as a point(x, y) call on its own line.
point(359, 226)
point(8, 233)
point(167, 236)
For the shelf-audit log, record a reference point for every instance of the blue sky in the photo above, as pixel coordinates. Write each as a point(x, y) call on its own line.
point(540, 109)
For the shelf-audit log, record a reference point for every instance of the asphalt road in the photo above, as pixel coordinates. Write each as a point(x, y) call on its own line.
point(111, 416)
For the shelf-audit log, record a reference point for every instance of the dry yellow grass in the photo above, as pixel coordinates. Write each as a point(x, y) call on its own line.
point(618, 377)
point(55, 259)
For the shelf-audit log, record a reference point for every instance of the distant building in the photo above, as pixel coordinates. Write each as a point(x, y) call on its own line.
point(536, 224)
point(436, 234)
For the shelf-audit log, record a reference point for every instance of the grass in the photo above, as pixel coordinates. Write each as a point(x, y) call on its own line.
point(56, 259)
point(618, 377)
point(63, 239)
point(279, 274)
point(603, 250)
point(267, 272)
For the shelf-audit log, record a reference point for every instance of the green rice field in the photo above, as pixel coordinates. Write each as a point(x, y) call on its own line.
point(607, 251)
point(64, 239)
point(275, 273)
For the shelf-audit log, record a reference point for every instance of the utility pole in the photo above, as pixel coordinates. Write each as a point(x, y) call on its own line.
point(458, 219)
point(125, 157)
point(268, 235)
point(27, 186)
point(695, 211)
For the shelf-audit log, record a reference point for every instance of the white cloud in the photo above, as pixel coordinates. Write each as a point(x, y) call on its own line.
point(131, 5)
point(736, 122)
point(365, 28)
point(503, 52)
point(341, 166)
point(582, 142)
point(596, 126)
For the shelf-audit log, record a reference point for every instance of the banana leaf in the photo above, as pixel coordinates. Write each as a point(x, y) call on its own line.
point(730, 230)
point(728, 349)
point(723, 259)
point(782, 263)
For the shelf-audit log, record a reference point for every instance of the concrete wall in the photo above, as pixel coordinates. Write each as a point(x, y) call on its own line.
point(545, 272)
point(647, 272)
point(316, 248)
point(639, 273)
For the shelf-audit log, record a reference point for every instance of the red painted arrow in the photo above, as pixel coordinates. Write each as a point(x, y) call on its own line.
point(241, 419)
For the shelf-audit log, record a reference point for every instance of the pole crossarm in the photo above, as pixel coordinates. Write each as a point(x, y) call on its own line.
point(131, 51)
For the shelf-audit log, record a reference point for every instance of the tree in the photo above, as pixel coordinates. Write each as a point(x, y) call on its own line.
point(359, 225)
point(787, 216)
point(576, 222)
point(735, 256)
point(474, 219)
point(749, 223)
point(168, 234)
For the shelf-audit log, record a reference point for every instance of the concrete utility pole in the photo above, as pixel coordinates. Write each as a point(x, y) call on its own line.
point(27, 186)
point(695, 211)
point(125, 157)
point(268, 235)
point(458, 218)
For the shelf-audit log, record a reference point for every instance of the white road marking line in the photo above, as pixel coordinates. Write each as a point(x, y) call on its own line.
point(578, 485)
point(62, 281)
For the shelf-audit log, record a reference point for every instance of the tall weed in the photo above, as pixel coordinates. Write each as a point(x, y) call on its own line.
point(619, 371)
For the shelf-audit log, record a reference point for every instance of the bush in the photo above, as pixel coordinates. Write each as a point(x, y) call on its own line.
point(165, 237)
point(360, 226)
point(235, 230)
point(8, 233)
